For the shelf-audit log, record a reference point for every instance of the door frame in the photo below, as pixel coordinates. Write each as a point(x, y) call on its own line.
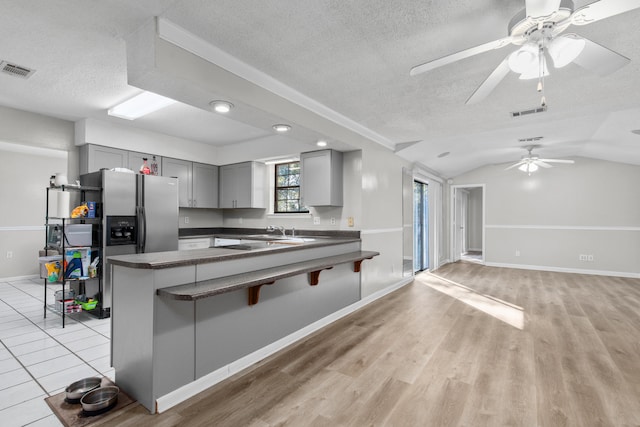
point(454, 229)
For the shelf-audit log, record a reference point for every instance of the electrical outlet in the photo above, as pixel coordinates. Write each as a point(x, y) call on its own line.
point(590, 258)
point(316, 220)
point(333, 221)
point(9, 254)
point(582, 257)
point(350, 221)
point(517, 252)
point(186, 220)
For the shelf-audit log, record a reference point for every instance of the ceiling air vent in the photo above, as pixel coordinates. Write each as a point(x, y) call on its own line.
point(527, 112)
point(16, 70)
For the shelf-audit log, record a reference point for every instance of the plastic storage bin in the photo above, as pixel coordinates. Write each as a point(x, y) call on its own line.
point(78, 235)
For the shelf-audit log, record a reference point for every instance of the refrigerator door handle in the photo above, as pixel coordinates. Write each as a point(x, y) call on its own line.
point(142, 229)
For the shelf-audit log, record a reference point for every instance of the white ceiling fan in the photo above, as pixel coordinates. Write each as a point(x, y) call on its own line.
point(532, 162)
point(538, 31)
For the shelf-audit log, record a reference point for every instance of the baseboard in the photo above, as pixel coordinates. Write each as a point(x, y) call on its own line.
point(187, 391)
point(16, 278)
point(565, 270)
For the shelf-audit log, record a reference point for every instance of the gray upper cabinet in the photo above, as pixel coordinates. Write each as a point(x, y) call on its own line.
point(242, 185)
point(96, 157)
point(205, 185)
point(197, 182)
point(135, 160)
point(321, 178)
point(182, 170)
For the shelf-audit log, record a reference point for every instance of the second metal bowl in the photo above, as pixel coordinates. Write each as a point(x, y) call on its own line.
point(100, 399)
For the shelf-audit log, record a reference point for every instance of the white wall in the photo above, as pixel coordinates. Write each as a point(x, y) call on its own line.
point(553, 216)
point(32, 148)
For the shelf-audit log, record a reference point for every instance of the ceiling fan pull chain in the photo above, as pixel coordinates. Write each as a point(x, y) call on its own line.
point(543, 100)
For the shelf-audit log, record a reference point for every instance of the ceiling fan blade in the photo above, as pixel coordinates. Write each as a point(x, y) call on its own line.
point(599, 59)
point(543, 164)
point(490, 83)
point(445, 60)
point(602, 9)
point(539, 8)
point(515, 165)
point(556, 161)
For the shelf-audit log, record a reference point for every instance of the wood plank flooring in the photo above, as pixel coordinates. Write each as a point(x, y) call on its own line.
point(419, 357)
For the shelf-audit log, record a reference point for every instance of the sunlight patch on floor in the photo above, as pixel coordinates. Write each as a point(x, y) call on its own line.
point(501, 310)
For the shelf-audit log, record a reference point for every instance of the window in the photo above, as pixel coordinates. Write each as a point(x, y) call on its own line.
point(287, 188)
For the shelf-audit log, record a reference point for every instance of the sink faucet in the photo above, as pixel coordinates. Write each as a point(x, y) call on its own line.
point(277, 227)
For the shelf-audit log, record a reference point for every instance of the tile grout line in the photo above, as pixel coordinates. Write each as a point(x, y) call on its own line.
point(50, 336)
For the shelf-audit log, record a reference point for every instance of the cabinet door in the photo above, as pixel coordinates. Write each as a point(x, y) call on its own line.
point(135, 160)
point(96, 157)
point(321, 178)
point(205, 186)
point(227, 186)
point(182, 170)
point(243, 179)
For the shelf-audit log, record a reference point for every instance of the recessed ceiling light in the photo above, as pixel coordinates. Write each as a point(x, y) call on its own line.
point(321, 143)
point(140, 105)
point(445, 154)
point(222, 107)
point(281, 128)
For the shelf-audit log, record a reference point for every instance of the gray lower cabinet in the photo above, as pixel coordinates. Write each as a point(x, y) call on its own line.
point(197, 182)
point(242, 185)
point(321, 178)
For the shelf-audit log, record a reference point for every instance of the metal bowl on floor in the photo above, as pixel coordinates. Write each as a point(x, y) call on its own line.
point(100, 399)
point(76, 390)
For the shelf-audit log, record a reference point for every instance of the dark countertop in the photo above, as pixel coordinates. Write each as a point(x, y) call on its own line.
point(236, 233)
point(159, 260)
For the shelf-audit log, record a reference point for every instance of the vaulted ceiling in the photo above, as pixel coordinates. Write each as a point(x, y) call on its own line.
point(340, 62)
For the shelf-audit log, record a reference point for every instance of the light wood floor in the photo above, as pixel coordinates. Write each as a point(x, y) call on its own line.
point(419, 357)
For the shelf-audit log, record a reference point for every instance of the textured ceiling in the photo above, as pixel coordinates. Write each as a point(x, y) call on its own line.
point(353, 57)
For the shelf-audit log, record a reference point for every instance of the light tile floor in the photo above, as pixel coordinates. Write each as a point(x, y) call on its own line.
point(39, 358)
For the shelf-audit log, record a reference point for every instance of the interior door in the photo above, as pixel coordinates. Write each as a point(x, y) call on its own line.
point(420, 226)
point(459, 228)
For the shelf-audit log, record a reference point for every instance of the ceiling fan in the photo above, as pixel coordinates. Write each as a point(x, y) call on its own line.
point(532, 162)
point(538, 31)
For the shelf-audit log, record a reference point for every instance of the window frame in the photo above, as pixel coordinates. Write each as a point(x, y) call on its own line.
point(303, 209)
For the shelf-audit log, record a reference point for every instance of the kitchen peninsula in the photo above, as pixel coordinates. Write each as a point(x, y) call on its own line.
point(184, 320)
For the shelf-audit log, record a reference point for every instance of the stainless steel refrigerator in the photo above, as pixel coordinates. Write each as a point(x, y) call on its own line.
point(139, 215)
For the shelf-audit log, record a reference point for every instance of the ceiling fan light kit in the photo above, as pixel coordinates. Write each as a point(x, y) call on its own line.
point(530, 162)
point(538, 31)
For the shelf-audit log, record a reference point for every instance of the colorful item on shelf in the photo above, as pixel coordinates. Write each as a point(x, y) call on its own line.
point(80, 211)
point(53, 271)
point(91, 206)
point(145, 169)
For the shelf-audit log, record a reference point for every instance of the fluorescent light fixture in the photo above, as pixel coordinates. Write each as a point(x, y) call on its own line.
point(281, 128)
point(565, 49)
point(221, 107)
point(140, 105)
point(285, 160)
point(321, 143)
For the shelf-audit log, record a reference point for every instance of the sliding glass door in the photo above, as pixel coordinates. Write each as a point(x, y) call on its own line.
point(420, 226)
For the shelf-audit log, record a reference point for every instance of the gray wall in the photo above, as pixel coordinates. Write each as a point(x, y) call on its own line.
point(555, 215)
point(32, 148)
